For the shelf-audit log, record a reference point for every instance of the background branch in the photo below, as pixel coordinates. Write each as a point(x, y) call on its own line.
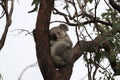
point(8, 21)
point(114, 5)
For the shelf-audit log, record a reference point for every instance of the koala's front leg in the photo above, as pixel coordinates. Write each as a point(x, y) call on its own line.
point(61, 53)
point(58, 61)
point(52, 43)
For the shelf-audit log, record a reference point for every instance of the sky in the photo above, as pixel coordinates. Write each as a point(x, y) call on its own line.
point(19, 49)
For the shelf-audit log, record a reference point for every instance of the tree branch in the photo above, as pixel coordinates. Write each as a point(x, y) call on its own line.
point(85, 23)
point(95, 45)
point(8, 22)
point(114, 5)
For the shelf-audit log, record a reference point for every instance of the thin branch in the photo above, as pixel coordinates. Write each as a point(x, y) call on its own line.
point(83, 23)
point(6, 12)
point(23, 30)
point(108, 4)
point(76, 13)
point(96, 5)
point(12, 6)
point(88, 33)
point(60, 13)
point(24, 70)
point(114, 5)
point(86, 22)
point(66, 2)
point(8, 21)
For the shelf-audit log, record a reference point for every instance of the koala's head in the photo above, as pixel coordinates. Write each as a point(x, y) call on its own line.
point(58, 32)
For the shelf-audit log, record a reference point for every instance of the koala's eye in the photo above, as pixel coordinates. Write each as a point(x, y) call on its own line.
point(53, 37)
point(59, 33)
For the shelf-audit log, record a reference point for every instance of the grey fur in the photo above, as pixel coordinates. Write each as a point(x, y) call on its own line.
point(61, 45)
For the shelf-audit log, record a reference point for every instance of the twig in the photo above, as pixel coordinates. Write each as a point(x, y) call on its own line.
point(23, 30)
point(86, 22)
point(96, 5)
point(24, 70)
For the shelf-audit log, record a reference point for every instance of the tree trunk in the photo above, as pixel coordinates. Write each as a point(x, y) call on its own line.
point(42, 39)
point(41, 36)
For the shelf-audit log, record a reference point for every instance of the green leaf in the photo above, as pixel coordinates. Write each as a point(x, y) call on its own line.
point(116, 26)
point(104, 14)
point(65, 7)
point(36, 3)
point(90, 1)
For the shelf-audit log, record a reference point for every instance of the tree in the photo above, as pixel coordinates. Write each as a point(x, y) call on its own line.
point(7, 11)
point(104, 45)
point(107, 28)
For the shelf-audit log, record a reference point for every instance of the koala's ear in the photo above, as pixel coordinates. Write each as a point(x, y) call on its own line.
point(64, 27)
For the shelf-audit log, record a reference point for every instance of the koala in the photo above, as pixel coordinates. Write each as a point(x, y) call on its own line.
point(60, 45)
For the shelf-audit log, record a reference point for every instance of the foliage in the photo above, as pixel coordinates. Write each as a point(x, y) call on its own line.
point(36, 4)
point(106, 27)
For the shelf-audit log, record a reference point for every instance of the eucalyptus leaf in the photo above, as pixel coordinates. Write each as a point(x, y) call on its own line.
point(90, 1)
point(36, 3)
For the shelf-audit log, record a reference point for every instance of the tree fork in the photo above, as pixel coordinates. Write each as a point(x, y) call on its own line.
point(41, 37)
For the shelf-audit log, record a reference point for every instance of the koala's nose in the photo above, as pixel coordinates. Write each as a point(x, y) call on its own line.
point(53, 37)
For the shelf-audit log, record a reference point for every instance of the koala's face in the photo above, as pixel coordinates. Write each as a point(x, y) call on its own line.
point(57, 33)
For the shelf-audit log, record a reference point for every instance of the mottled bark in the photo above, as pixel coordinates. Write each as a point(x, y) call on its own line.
point(41, 36)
